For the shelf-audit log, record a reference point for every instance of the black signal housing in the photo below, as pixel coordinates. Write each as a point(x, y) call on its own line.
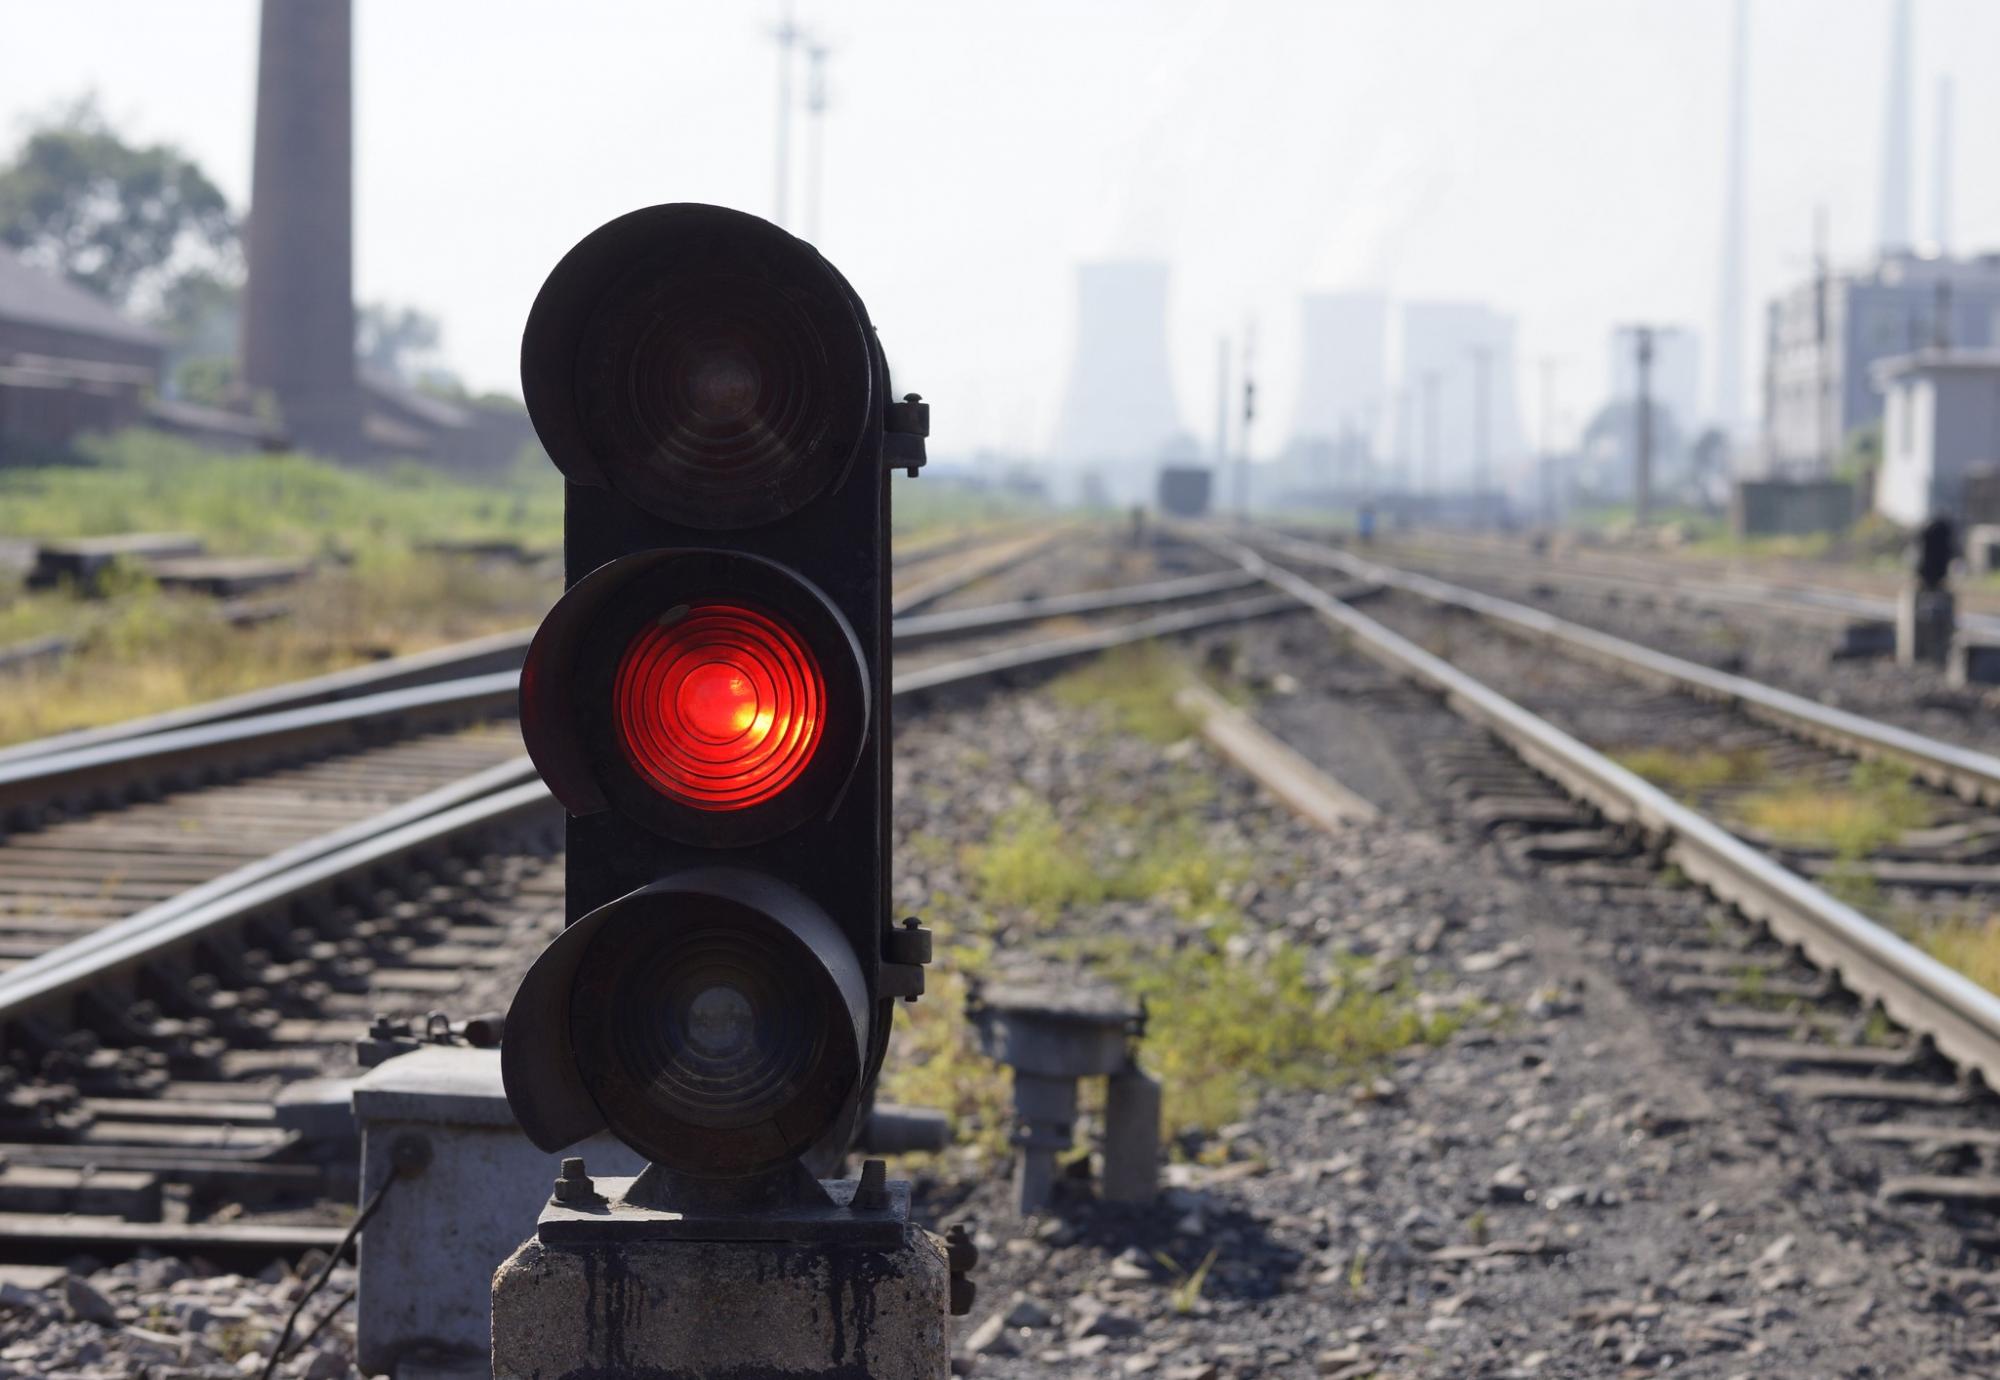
point(715, 396)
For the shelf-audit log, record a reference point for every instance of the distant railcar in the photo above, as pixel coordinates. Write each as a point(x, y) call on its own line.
point(1185, 490)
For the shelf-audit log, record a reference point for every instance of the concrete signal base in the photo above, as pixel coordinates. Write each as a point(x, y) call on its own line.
point(687, 1310)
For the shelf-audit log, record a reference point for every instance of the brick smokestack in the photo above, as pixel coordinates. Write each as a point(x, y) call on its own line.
point(298, 310)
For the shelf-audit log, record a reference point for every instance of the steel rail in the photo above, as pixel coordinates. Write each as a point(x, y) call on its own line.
point(915, 630)
point(466, 790)
point(1075, 645)
point(1968, 773)
point(496, 652)
point(501, 797)
point(501, 651)
point(1961, 1018)
point(113, 767)
point(119, 760)
point(89, 961)
point(1002, 556)
point(1652, 574)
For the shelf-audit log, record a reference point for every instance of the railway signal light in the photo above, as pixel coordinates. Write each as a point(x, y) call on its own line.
point(709, 701)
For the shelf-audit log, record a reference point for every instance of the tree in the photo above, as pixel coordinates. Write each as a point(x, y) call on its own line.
point(398, 341)
point(122, 220)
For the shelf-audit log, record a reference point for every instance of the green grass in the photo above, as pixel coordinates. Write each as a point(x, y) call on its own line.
point(1688, 774)
point(280, 505)
point(1970, 944)
point(1033, 862)
point(1876, 805)
point(147, 651)
point(375, 592)
point(1221, 1024)
point(1133, 687)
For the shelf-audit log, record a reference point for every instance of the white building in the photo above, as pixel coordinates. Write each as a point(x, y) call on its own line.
point(1941, 417)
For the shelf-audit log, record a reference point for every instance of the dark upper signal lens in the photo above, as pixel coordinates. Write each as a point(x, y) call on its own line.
point(702, 363)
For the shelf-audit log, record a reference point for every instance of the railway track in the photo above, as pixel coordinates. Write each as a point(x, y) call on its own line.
point(149, 1047)
point(931, 577)
point(151, 1050)
point(1663, 578)
point(1797, 990)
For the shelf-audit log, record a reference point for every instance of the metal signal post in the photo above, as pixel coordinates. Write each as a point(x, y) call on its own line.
point(709, 701)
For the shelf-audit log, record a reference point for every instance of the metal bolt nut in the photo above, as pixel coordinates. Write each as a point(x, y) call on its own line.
point(574, 1185)
point(871, 1194)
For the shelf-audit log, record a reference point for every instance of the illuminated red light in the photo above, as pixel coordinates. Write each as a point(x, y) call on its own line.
point(719, 706)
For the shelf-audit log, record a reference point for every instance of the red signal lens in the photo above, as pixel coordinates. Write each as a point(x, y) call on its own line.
point(719, 706)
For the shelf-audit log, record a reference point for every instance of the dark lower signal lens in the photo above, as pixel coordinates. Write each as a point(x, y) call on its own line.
point(719, 1022)
point(719, 706)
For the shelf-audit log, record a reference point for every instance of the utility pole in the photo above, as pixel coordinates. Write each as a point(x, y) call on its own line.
point(787, 34)
point(1249, 413)
point(816, 52)
point(1430, 478)
point(1243, 459)
point(1221, 400)
point(1642, 481)
point(1406, 451)
point(1548, 410)
point(1823, 414)
point(1482, 434)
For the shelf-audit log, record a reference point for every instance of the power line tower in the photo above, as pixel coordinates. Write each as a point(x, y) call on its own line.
point(1482, 426)
point(1249, 414)
point(1644, 339)
point(1431, 480)
point(1548, 410)
point(1221, 400)
point(787, 35)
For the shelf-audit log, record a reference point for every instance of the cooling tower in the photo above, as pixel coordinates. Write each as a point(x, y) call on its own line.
point(1344, 376)
point(1120, 401)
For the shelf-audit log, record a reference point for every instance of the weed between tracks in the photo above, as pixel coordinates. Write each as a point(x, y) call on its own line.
point(1151, 890)
point(1878, 803)
point(1688, 774)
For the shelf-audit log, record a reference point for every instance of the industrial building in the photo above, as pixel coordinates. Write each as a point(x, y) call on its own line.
point(71, 363)
point(1823, 338)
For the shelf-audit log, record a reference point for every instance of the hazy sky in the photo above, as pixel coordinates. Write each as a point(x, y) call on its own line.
point(1560, 158)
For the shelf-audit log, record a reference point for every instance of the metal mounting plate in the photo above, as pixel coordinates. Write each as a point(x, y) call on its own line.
point(612, 1219)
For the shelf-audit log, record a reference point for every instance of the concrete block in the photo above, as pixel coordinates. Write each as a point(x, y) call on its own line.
point(1866, 637)
point(1132, 1108)
point(427, 1258)
point(1926, 620)
point(1973, 663)
point(722, 1308)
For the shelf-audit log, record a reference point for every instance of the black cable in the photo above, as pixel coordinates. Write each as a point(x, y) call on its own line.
point(326, 1272)
point(324, 1319)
